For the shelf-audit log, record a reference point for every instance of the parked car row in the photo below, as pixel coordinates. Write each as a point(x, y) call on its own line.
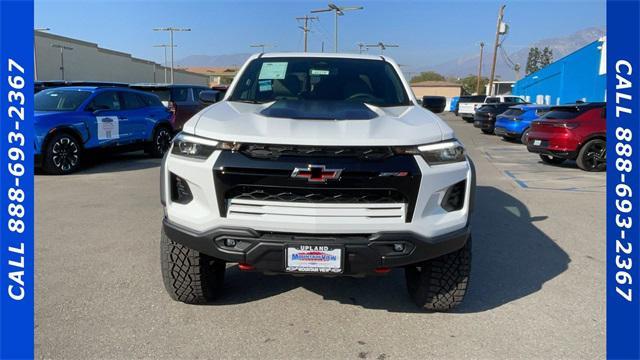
point(556, 133)
point(73, 121)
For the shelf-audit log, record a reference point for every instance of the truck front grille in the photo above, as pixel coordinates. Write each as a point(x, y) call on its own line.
point(267, 151)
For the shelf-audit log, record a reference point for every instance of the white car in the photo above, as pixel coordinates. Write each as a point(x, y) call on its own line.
point(318, 164)
point(468, 105)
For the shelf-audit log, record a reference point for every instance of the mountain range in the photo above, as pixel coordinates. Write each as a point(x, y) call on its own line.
point(561, 46)
point(460, 67)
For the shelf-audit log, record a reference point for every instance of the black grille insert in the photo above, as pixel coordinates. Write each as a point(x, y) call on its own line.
point(267, 151)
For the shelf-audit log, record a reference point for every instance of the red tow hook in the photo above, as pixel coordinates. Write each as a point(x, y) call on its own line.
point(246, 267)
point(382, 270)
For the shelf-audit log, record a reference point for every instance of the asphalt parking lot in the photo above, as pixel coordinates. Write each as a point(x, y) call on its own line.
point(537, 282)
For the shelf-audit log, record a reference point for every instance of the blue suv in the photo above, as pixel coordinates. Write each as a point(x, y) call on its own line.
point(516, 121)
point(71, 121)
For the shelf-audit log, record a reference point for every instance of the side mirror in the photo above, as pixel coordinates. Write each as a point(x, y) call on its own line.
point(209, 96)
point(435, 104)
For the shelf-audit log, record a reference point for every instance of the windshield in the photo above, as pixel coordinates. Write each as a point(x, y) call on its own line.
point(60, 99)
point(320, 79)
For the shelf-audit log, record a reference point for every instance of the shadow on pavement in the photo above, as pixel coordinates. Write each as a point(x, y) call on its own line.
point(511, 260)
point(110, 163)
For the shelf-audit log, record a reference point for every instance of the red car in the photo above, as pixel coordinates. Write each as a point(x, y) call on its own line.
point(572, 132)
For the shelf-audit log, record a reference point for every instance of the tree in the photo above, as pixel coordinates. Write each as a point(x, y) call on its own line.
point(546, 57)
point(469, 84)
point(427, 76)
point(537, 59)
point(532, 60)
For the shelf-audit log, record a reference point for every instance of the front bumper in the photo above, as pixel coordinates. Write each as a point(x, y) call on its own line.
point(362, 253)
point(207, 178)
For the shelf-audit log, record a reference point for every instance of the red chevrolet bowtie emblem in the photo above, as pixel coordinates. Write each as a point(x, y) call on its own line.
point(316, 173)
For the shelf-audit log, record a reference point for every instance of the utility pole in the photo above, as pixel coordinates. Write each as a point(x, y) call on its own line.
point(305, 28)
point(62, 49)
point(165, 46)
point(35, 54)
point(339, 11)
point(171, 30)
point(516, 68)
point(362, 46)
point(495, 49)
point(322, 45)
point(480, 69)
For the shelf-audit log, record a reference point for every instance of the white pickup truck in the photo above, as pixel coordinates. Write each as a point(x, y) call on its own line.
point(468, 104)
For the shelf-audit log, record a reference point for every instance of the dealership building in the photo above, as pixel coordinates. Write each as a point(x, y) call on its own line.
point(579, 76)
point(63, 58)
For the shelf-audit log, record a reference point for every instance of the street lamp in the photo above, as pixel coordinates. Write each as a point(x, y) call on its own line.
point(35, 53)
point(171, 30)
point(165, 46)
point(62, 49)
point(339, 11)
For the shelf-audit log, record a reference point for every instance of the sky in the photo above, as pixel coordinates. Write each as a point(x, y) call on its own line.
point(427, 32)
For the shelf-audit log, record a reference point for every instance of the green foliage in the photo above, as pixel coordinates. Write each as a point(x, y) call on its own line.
point(427, 76)
point(537, 59)
point(470, 82)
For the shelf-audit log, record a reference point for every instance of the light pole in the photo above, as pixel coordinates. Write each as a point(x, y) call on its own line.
point(165, 46)
point(382, 46)
point(62, 49)
point(35, 53)
point(171, 30)
point(339, 11)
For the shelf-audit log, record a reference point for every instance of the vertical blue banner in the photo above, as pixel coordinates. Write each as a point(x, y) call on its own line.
point(16, 179)
point(623, 180)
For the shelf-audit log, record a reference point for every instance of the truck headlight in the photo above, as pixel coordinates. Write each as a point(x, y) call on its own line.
point(193, 146)
point(443, 152)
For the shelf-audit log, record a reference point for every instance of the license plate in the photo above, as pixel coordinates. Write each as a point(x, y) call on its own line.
point(314, 259)
point(537, 142)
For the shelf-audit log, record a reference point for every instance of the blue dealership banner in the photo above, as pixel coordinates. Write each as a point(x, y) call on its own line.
point(623, 180)
point(16, 179)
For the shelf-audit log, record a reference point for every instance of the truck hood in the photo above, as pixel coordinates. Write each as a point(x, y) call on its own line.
point(259, 123)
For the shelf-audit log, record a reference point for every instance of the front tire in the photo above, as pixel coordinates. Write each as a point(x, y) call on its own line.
point(593, 156)
point(62, 154)
point(488, 132)
point(188, 275)
point(552, 160)
point(160, 142)
point(440, 284)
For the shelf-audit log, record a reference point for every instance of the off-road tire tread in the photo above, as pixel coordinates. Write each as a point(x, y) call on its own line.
point(188, 275)
point(441, 283)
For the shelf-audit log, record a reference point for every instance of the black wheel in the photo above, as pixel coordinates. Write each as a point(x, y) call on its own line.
point(189, 276)
point(160, 142)
point(488, 132)
point(62, 154)
point(593, 156)
point(548, 159)
point(440, 284)
point(524, 138)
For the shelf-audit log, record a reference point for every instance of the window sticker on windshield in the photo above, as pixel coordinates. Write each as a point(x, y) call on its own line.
point(108, 127)
point(264, 85)
point(319, 72)
point(273, 70)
